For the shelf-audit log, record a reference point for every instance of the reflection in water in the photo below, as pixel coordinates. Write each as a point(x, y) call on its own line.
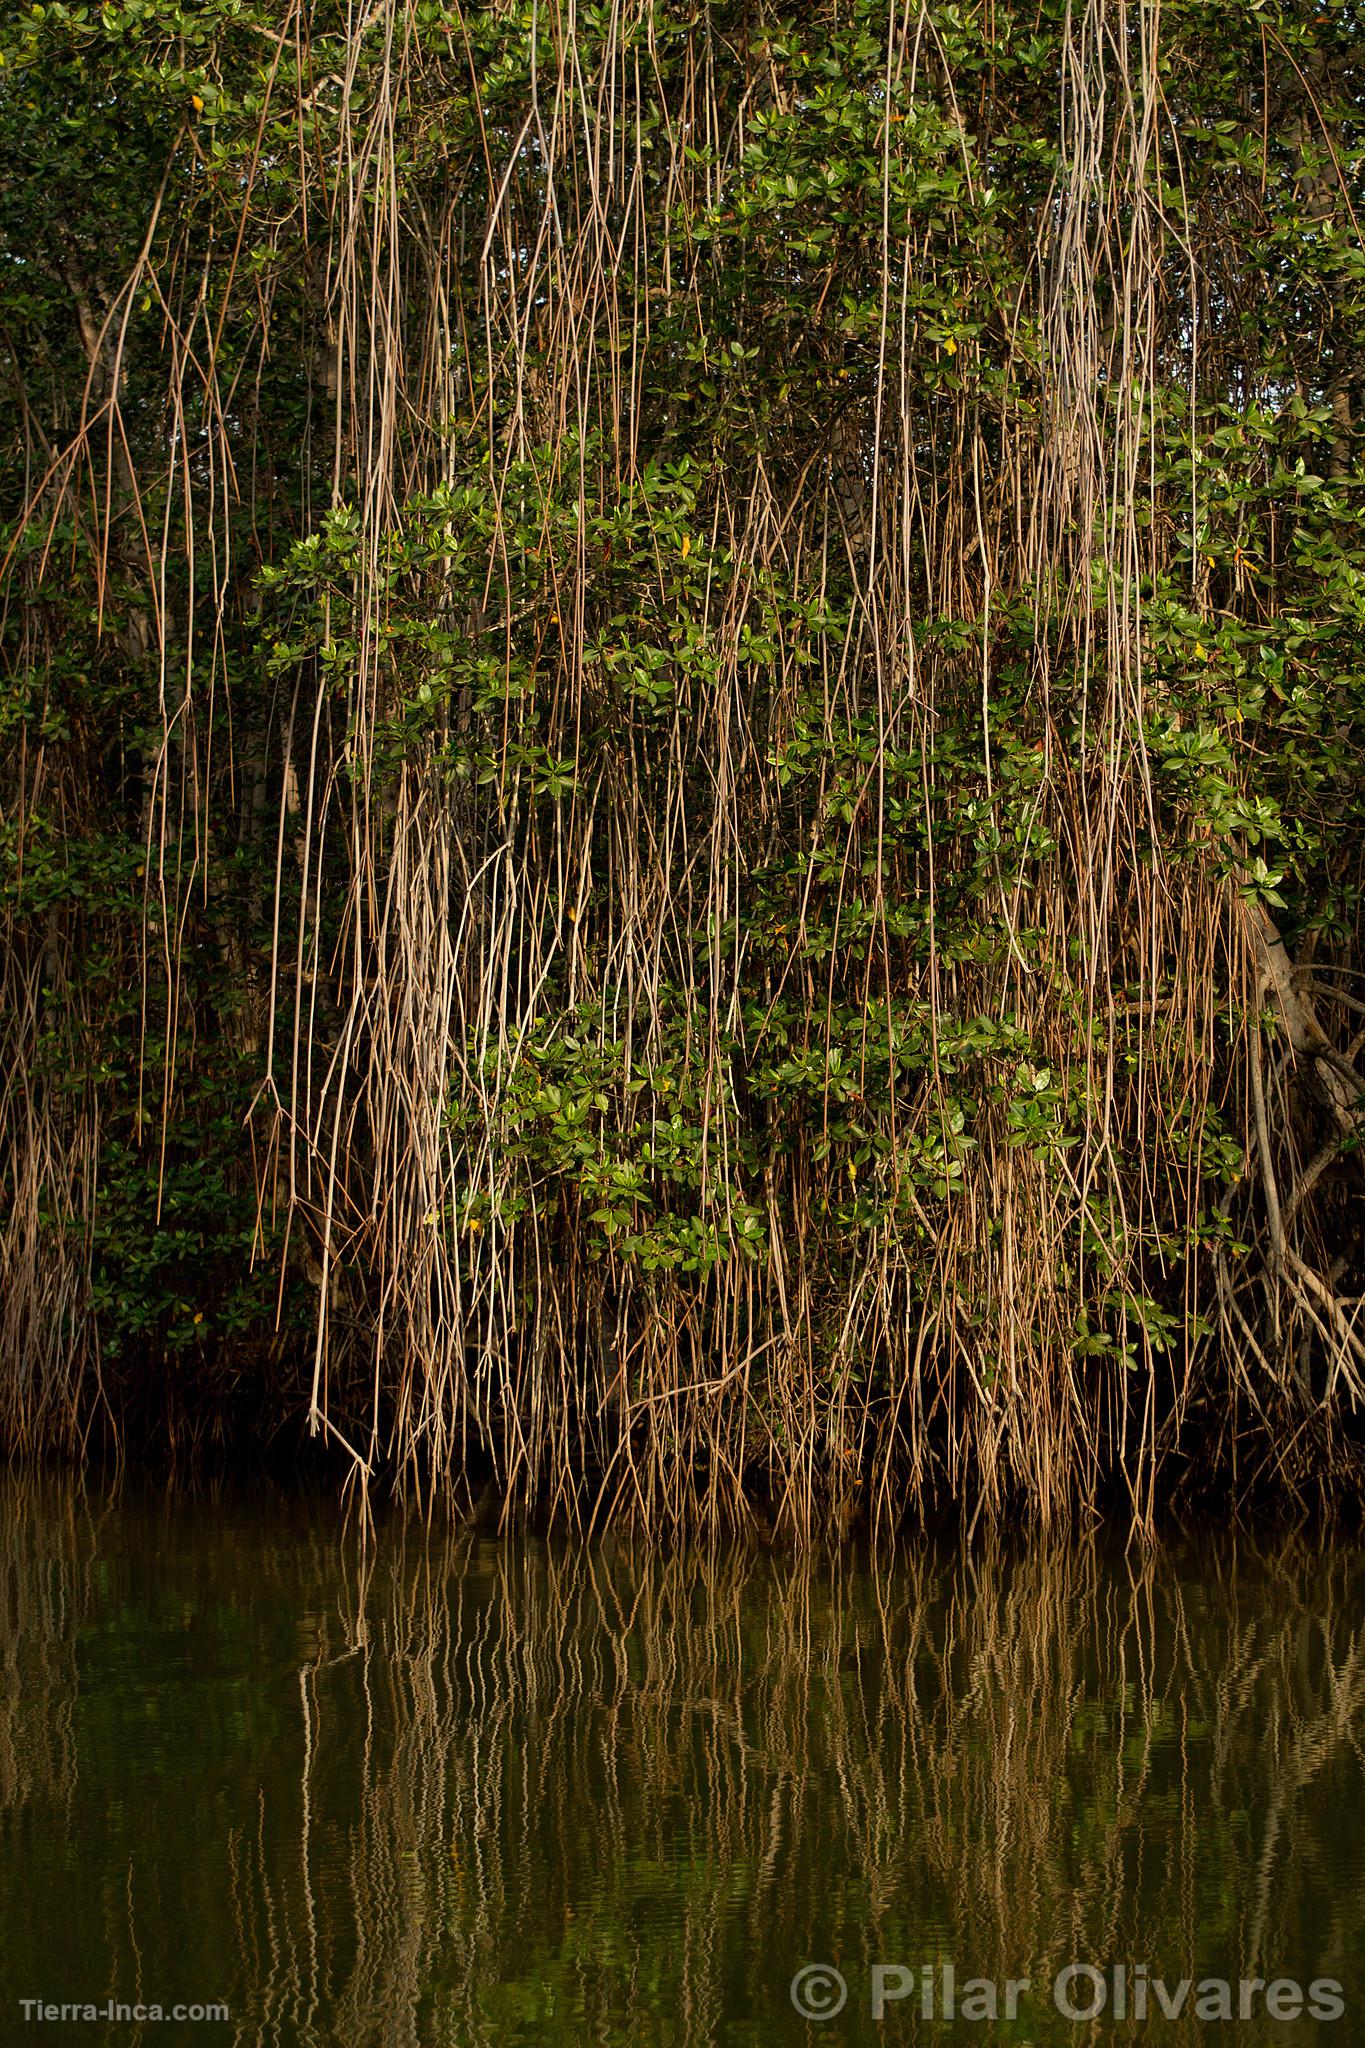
point(457, 1789)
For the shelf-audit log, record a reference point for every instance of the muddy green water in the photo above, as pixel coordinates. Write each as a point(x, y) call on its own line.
point(468, 1790)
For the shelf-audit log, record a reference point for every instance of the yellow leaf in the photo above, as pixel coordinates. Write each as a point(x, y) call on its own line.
point(686, 545)
point(197, 103)
point(1201, 650)
point(950, 346)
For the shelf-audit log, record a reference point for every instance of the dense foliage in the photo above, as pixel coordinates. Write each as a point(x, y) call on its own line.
point(682, 724)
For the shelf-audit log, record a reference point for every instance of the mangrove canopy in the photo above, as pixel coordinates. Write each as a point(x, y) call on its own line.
point(681, 696)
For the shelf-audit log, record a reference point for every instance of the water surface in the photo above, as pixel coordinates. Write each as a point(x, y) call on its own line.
point(465, 1789)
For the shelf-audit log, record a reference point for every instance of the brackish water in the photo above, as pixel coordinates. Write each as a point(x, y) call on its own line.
point(455, 1788)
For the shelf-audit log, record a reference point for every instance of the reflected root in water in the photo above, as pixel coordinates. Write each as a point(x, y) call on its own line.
point(524, 1787)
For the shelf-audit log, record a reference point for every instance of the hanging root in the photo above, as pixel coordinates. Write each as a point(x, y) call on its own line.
point(705, 619)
